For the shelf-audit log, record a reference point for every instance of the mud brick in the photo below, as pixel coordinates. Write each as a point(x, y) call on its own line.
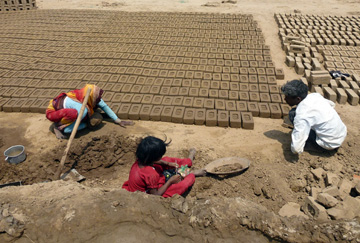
point(126, 88)
point(341, 96)
point(18, 92)
point(114, 107)
point(234, 86)
point(208, 76)
point(297, 49)
point(211, 118)
point(233, 95)
point(43, 106)
point(223, 118)
point(290, 61)
point(165, 90)
point(343, 84)
point(285, 109)
point(235, 119)
point(200, 116)
point(234, 78)
point(107, 96)
point(244, 78)
point(3, 101)
point(224, 77)
point(279, 73)
point(155, 89)
point(253, 108)
point(319, 90)
point(215, 85)
point(353, 98)
point(174, 91)
point(167, 100)
point(166, 113)
point(126, 98)
point(155, 114)
point(333, 84)
point(35, 106)
point(329, 94)
point(263, 88)
point(244, 87)
point(25, 107)
point(354, 86)
point(178, 114)
point(209, 103)
point(225, 85)
point(213, 93)
point(186, 83)
point(194, 92)
point(157, 99)
point(247, 120)
point(134, 112)
point(264, 110)
point(223, 94)
point(275, 98)
point(253, 79)
point(273, 89)
point(205, 84)
point(265, 97)
point(147, 99)
point(262, 79)
point(184, 91)
point(254, 96)
point(299, 68)
point(244, 96)
point(137, 98)
point(320, 77)
point(198, 102)
point(188, 101)
point(8, 106)
point(254, 88)
point(189, 116)
point(275, 110)
point(159, 81)
point(271, 80)
point(11, 90)
point(145, 111)
point(177, 101)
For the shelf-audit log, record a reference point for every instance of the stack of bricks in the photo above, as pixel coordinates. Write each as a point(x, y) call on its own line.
point(324, 44)
point(17, 5)
point(191, 68)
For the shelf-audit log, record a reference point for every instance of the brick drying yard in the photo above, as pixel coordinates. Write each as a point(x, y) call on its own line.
point(205, 74)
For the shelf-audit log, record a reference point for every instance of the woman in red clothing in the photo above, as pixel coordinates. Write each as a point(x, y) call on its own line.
point(146, 174)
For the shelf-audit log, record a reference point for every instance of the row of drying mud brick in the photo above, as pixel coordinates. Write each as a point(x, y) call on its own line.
point(336, 32)
point(17, 5)
point(240, 116)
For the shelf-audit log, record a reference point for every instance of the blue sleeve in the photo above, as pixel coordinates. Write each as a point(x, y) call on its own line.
point(107, 110)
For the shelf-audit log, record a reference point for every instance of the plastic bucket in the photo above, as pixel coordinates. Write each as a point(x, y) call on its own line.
point(15, 154)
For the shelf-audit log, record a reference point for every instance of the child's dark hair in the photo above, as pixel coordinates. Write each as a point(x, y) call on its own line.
point(151, 149)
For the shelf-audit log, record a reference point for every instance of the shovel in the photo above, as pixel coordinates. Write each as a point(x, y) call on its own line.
point(73, 133)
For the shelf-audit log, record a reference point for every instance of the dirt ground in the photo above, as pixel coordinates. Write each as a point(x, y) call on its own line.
point(241, 208)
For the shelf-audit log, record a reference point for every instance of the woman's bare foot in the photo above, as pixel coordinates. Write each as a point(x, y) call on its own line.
point(192, 153)
point(59, 134)
point(199, 173)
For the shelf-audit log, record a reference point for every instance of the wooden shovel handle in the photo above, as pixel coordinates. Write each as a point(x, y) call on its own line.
point(73, 133)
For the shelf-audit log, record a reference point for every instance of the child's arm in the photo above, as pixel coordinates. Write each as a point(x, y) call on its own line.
point(160, 191)
point(162, 162)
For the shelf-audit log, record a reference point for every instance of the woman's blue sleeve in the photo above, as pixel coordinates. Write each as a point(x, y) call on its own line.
point(107, 110)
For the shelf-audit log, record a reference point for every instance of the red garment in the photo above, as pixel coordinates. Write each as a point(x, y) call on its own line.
point(151, 177)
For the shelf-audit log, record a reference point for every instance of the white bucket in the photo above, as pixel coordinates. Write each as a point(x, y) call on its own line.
point(15, 154)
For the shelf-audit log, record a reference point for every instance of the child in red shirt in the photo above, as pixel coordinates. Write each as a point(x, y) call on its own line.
point(146, 174)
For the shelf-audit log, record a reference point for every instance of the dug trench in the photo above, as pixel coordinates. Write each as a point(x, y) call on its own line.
point(242, 206)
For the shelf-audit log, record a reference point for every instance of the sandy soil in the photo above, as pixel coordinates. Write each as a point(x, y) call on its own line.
point(218, 209)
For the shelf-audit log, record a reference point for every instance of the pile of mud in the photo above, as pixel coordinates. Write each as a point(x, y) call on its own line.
point(101, 154)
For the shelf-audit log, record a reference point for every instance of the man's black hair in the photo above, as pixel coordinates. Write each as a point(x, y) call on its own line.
point(151, 149)
point(295, 88)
